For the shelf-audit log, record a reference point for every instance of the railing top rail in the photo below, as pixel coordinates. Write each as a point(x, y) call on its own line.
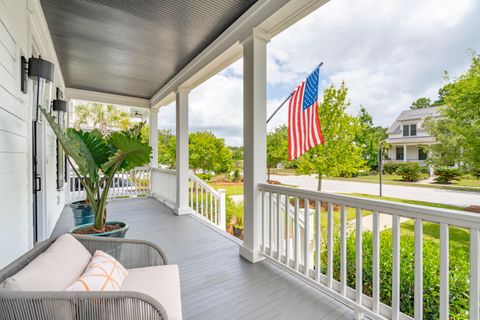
point(205, 185)
point(142, 168)
point(169, 171)
point(452, 217)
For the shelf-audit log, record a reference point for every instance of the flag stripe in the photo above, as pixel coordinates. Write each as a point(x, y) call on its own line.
point(304, 130)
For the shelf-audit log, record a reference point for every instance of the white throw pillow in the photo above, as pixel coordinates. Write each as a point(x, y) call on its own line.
point(103, 273)
point(54, 269)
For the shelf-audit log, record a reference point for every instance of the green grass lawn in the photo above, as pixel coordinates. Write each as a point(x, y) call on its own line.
point(407, 201)
point(467, 181)
point(230, 188)
point(459, 238)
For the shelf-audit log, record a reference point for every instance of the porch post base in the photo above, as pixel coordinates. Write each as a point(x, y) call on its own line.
point(251, 256)
point(183, 210)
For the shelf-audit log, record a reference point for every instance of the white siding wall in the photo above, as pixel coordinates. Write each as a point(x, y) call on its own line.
point(22, 24)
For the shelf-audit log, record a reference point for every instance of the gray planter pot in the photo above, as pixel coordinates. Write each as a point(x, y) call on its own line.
point(120, 233)
point(82, 213)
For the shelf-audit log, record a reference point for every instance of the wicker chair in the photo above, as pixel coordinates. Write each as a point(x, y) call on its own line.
point(53, 305)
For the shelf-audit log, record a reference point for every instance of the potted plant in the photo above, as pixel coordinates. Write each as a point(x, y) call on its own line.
point(96, 158)
point(238, 225)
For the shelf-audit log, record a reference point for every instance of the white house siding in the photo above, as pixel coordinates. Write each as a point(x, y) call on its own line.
point(21, 24)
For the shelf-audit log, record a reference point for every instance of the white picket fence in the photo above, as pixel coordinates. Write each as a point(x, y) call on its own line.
point(282, 244)
point(125, 184)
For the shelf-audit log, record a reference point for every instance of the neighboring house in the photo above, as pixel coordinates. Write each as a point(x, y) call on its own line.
point(408, 137)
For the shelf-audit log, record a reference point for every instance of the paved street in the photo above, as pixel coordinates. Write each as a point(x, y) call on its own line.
point(451, 197)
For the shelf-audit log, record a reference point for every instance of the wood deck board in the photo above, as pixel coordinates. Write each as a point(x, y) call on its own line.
point(216, 282)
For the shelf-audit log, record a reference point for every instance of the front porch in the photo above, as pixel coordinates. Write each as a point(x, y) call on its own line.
point(216, 282)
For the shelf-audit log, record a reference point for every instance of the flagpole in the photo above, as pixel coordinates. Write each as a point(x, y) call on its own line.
point(285, 101)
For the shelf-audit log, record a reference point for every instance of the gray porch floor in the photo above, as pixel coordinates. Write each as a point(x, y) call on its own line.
point(216, 282)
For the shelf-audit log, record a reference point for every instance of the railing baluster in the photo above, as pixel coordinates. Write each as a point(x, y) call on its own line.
point(306, 229)
point(330, 245)
point(376, 262)
point(358, 258)
point(287, 231)
point(279, 228)
point(418, 269)
point(474, 274)
point(196, 198)
point(395, 267)
point(297, 234)
point(318, 245)
point(343, 250)
point(263, 221)
point(211, 208)
point(444, 265)
point(270, 222)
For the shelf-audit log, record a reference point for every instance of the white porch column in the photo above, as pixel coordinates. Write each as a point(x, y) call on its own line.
point(404, 153)
point(254, 139)
point(182, 151)
point(153, 121)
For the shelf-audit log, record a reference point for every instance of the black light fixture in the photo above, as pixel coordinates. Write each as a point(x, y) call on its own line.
point(60, 107)
point(40, 68)
point(41, 72)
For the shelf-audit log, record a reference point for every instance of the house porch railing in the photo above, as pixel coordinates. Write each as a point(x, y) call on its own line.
point(282, 244)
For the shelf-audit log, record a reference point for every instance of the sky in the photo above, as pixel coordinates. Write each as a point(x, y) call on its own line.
point(388, 53)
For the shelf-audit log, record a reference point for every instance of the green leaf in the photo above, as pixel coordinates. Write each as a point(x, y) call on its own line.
point(130, 149)
point(70, 144)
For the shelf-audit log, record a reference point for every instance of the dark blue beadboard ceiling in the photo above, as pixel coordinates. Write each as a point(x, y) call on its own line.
point(133, 47)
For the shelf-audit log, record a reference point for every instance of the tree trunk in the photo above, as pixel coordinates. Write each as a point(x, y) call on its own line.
point(319, 186)
point(268, 174)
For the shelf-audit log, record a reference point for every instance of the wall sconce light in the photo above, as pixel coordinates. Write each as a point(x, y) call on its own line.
point(42, 72)
point(60, 107)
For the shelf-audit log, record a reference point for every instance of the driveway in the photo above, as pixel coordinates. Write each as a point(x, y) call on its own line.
point(451, 197)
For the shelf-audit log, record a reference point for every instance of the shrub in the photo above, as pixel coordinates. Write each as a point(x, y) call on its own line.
point(475, 172)
point(233, 210)
point(459, 272)
point(205, 176)
point(390, 167)
point(410, 171)
point(424, 169)
point(447, 174)
point(236, 175)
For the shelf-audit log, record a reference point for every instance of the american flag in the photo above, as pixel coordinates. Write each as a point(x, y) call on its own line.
point(304, 131)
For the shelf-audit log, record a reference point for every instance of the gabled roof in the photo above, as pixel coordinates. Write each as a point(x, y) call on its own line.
point(412, 115)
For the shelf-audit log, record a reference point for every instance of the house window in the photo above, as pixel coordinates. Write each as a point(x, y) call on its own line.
point(399, 153)
point(409, 130)
point(422, 154)
point(413, 129)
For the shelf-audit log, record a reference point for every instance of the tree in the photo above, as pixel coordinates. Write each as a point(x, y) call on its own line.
point(237, 155)
point(339, 155)
point(102, 117)
point(458, 132)
point(421, 103)
point(369, 138)
point(277, 147)
point(209, 153)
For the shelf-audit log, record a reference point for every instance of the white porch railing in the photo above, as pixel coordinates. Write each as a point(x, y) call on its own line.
point(125, 184)
point(164, 185)
point(207, 202)
point(282, 244)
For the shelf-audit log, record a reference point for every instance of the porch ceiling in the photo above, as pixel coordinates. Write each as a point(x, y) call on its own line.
point(133, 47)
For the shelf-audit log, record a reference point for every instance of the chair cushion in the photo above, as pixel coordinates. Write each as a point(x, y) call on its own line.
point(159, 282)
point(54, 269)
point(103, 273)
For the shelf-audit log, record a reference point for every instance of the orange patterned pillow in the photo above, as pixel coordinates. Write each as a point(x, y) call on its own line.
point(103, 273)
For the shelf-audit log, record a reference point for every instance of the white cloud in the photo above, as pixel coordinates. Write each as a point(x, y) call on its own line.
point(389, 53)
